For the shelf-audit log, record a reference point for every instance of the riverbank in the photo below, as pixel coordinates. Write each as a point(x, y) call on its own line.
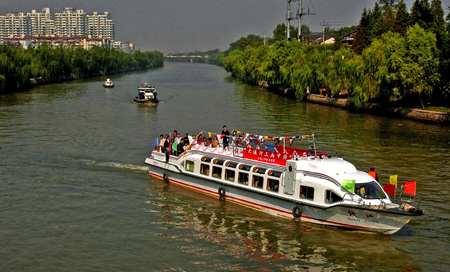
point(43, 81)
point(374, 108)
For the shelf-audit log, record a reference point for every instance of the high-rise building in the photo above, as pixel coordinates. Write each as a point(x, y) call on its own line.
point(67, 29)
point(14, 25)
point(70, 23)
point(100, 25)
point(41, 23)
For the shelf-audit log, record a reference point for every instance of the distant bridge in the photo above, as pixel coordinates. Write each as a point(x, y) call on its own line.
point(185, 58)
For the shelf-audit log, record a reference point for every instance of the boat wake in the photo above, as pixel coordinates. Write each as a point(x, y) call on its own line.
point(116, 165)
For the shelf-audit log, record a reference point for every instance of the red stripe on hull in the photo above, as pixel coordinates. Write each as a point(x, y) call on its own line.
point(250, 203)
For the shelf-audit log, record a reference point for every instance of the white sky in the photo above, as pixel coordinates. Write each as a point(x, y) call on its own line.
point(189, 25)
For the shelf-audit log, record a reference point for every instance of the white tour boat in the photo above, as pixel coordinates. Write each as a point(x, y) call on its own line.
point(108, 83)
point(146, 94)
point(301, 184)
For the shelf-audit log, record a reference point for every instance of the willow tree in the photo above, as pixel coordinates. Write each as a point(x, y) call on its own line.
point(276, 57)
point(234, 63)
point(253, 60)
point(340, 71)
point(420, 72)
point(295, 72)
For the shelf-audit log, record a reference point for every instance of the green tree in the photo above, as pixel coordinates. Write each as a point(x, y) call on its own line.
point(437, 14)
point(401, 19)
point(419, 74)
point(389, 20)
point(364, 32)
point(421, 14)
point(279, 33)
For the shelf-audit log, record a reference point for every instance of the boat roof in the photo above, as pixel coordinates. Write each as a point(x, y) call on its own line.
point(335, 168)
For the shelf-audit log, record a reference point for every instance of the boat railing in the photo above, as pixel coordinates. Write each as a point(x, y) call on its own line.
point(406, 201)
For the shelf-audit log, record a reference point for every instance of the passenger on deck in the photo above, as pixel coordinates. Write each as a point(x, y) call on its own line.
point(178, 141)
point(225, 134)
point(240, 141)
point(215, 142)
point(208, 142)
point(161, 143)
point(167, 143)
point(186, 139)
point(200, 139)
point(174, 135)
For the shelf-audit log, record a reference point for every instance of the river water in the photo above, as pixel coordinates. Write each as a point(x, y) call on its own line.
point(76, 196)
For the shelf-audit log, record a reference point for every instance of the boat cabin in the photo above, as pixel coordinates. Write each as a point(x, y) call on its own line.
point(314, 180)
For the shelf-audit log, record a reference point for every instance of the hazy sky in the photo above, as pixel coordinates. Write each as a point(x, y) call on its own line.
point(190, 25)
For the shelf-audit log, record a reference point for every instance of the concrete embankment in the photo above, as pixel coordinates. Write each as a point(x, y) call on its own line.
point(415, 114)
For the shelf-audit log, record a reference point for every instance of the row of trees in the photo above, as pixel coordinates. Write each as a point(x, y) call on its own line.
point(389, 60)
point(17, 66)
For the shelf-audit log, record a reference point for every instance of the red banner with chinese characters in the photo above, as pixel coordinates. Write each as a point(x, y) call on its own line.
point(266, 156)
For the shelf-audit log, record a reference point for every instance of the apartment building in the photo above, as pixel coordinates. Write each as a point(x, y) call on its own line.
point(70, 22)
point(100, 26)
point(14, 25)
point(41, 23)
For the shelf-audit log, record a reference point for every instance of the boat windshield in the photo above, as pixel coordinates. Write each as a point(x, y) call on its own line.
point(370, 190)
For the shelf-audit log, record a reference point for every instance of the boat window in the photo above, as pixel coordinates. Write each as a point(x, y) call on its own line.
point(243, 178)
point(259, 170)
point(217, 172)
point(204, 169)
point(206, 159)
point(189, 166)
point(245, 167)
point(217, 161)
point(273, 185)
point(230, 164)
point(307, 192)
point(331, 197)
point(274, 173)
point(370, 190)
point(229, 175)
point(257, 181)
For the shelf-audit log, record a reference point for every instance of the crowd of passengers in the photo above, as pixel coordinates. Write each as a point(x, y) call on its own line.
point(174, 144)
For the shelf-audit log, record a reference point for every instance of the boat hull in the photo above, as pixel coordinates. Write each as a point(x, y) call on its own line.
point(345, 216)
point(137, 100)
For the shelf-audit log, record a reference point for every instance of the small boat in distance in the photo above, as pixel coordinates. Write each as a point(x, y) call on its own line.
point(108, 83)
point(295, 183)
point(146, 94)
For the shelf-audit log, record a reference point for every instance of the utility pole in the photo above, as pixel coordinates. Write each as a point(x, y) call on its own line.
point(288, 18)
point(298, 17)
point(324, 24)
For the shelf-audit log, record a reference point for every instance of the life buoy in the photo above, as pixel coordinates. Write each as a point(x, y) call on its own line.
point(297, 212)
point(221, 193)
point(166, 177)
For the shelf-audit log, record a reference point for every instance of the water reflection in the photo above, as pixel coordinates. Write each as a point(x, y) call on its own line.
point(261, 241)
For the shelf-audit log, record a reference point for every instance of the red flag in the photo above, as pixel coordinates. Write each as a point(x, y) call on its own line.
point(390, 189)
point(410, 187)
